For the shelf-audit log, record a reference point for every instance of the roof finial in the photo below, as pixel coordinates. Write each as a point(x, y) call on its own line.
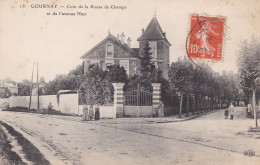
point(108, 31)
point(155, 13)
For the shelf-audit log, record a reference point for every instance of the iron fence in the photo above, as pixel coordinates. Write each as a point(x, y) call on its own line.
point(138, 98)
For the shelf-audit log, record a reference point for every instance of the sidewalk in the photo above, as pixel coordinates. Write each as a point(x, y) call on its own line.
point(140, 120)
point(136, 120)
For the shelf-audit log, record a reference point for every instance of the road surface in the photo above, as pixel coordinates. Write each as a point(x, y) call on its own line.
point(209, 139)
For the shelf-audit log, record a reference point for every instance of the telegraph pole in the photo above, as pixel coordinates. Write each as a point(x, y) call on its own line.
point(31, 90)
point(38, 103)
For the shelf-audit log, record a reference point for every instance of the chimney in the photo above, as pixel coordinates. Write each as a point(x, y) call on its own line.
point(122, 38)
point(164, 34)
point(129, 42)
point(117, 37)
point(142, 30)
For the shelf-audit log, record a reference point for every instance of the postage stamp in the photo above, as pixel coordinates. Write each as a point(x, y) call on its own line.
point(206, 37)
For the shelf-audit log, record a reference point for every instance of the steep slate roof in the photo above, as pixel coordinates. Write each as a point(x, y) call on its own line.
point(153, 32)
point(113, 38)
point(136, 50)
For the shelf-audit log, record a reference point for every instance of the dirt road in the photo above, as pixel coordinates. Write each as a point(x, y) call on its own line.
point(210, 138)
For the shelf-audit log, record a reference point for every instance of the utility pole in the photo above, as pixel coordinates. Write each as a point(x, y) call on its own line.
point(31, 90)
point(254, 108)
point(38, 103)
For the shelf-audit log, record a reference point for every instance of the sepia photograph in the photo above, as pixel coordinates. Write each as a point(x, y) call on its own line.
point(129, 82)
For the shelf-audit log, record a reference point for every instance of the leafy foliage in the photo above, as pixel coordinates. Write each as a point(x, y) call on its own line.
point(146, 58)
point(24, 88)
point(116, 74)
point(180, 75)
point(97, 87)
point(71, 81)
point(249, 65)
point(5, 92)
point(201, 81)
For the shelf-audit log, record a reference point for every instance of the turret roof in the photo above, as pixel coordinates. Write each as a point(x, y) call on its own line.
point(153, 32)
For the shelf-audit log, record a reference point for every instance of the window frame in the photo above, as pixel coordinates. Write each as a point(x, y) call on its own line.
point(112, 50)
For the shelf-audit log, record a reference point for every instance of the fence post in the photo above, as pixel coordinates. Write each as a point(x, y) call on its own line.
point(118, 98)
point(156, 96)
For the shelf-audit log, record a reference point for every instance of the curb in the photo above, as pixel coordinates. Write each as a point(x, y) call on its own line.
point(189, 118)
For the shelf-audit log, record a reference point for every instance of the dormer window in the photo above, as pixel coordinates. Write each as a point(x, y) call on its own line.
point(110, 50)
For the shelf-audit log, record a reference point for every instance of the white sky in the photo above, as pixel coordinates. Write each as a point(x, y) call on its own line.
point(57, 42)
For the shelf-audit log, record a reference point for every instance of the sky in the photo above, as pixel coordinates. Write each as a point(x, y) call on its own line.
point(29, 35)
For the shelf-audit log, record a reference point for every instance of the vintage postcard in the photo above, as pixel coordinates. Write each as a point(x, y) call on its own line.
point(153, 82)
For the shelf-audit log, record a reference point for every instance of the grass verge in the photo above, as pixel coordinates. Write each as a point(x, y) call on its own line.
point(7, 156)
point(31, 152)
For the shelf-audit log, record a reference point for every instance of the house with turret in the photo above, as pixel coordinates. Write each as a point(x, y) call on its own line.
point(117, 50)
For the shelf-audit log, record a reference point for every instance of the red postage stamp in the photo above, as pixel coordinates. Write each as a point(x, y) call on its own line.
point(206, 37)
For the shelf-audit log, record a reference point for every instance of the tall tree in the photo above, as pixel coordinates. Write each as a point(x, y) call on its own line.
point(180, 76)
point(97, 86)
point(146, 58)
point(249, 69)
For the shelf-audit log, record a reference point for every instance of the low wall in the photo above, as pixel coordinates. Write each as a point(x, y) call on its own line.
point(105, 111)
point(138, 111)
point(23, 101)
point(4, 100)
point(68, 103)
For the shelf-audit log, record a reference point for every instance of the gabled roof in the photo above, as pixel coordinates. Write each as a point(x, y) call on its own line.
point(153, 32)
point(113, 38)
point(136, 50)
point(8, 85)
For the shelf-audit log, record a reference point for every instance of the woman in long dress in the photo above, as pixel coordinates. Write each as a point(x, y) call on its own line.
point(160, 111)
point(91, 112)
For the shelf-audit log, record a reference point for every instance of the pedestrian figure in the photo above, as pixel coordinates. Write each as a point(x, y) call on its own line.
point(160, 111)
point(97, 113)
point(226, 114)
point(231, 110)
point(49, 109)
point(44, 111)
point(91, 112)
point(85, 113)
point(249, 109)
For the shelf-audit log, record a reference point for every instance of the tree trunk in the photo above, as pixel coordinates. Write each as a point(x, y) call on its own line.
point(181, 105)
point(187, 114)
point(254, 108)
point(197, 105)
point(201, 105)
point(210, 104)
point(193, 105)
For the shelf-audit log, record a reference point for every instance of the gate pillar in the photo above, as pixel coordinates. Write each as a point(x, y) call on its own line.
point(156, 96)
point(118, 98)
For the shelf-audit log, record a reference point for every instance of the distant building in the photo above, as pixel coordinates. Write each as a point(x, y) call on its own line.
point(13, 88)
point(42, 90)
point(114, 50)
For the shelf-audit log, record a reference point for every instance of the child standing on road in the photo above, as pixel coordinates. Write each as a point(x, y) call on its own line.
point(226, 114)
point(231, 111)
point(50, 109)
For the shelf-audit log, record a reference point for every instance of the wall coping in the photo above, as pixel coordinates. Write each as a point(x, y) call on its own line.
point(118, 84)
point(156, 84)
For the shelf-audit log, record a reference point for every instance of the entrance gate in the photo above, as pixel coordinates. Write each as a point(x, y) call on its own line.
point(138, 103)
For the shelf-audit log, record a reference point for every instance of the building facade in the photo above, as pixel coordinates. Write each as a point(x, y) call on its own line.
point(13, 88)
point(115, 50)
